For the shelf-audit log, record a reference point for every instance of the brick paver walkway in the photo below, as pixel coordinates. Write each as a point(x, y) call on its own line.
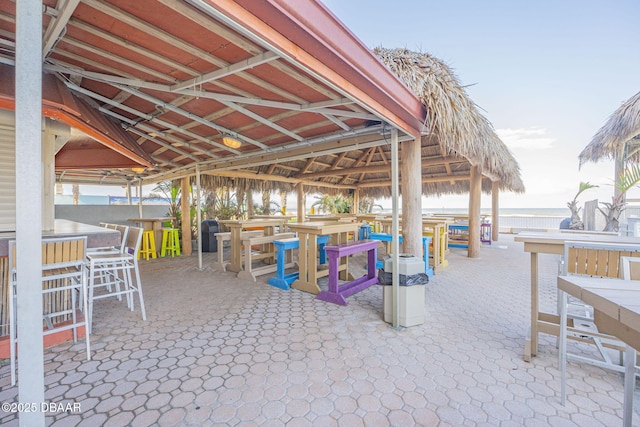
point(219, 351)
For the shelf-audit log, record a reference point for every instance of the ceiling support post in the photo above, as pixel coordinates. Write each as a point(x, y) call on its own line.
point(410, 152)
point(29, 208)
point(475, 191)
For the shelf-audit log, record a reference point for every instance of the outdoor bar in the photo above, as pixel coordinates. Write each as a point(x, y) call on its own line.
point(226, 99)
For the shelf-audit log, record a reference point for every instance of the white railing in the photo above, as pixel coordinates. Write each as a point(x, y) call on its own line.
point(535, 222)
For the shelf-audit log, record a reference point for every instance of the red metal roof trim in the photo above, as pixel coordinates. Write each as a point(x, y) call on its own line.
point(59, 103)
point(308, 32)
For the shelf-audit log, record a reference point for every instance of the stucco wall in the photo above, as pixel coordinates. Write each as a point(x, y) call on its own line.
point(114, 214)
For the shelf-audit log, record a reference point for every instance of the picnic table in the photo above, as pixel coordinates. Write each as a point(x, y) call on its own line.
point(308, 233)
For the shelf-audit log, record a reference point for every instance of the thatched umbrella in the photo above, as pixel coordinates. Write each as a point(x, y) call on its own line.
point(622, 129)
point(453, 118)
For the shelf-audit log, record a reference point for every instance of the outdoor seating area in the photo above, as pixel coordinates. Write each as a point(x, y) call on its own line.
point(265, 311)
point(254, 353)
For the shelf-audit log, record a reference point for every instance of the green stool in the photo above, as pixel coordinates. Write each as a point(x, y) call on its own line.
point(148, 245)
point(170, 242)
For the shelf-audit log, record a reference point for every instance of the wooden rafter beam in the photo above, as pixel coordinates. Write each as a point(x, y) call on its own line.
point(263, 177)
point(424, 180)
point(377, 168)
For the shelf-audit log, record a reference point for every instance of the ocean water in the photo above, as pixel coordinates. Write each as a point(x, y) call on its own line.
point(554, 212)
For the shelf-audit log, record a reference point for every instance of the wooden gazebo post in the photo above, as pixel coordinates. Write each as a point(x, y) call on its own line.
point(475, 191)
point(302, 198)
point(495, 210)
point(411, 184)
point(356, 202)
point(249, 203)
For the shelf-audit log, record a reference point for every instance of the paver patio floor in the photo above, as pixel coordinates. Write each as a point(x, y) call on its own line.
point(216, 350)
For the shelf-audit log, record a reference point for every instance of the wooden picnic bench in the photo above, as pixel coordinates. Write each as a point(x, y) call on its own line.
point(249, 272)
point(284, 248)
point(220, 264)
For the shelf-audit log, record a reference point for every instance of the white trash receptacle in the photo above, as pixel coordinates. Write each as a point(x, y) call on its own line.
point(411, 298)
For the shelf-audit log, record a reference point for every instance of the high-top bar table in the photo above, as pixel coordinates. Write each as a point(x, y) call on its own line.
point(97, 237)
point(618, 303)
point(236, 227)
point(552, 243)
point(308, 233)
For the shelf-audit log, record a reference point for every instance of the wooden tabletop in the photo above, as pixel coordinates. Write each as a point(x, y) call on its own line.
point(96, 236)
point(618, 299)
point(257, 222)
point(164, 218)
point(560, 238)
point(323, 227)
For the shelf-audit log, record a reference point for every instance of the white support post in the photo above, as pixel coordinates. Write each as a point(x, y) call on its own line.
point(395, 230)
point(140, 198)
point(28, 78)
point(199, 217)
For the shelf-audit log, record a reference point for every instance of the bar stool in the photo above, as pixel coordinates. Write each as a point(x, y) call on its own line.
point(148, 248)
point(64, 291)
point(170, 242)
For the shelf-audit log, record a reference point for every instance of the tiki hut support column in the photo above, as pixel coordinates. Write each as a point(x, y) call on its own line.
point(619, 170)
point(28, 188)
point(302, 202)
point(356, 202)
point(249, 203)
point(410, 152)
point(495, 210)
point(475, 190)
point(186, 216)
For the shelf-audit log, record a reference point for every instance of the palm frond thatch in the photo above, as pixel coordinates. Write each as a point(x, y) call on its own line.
point(621, 127)
point(451, 115)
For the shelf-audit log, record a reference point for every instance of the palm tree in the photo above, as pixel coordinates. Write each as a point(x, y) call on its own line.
point(75, 190)
point(367, 204)
point(628, 179)
point(333, 204)
point(576, 222)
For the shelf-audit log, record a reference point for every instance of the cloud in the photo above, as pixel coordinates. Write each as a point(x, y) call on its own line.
point(526, 138)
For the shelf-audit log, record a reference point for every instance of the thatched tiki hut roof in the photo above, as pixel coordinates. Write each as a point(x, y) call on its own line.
point(457, 128)
point(622, 127)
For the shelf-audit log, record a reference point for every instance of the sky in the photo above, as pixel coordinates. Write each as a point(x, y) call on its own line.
point(546, 73)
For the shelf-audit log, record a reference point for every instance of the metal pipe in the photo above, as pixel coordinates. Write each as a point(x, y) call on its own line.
point(199, 217)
